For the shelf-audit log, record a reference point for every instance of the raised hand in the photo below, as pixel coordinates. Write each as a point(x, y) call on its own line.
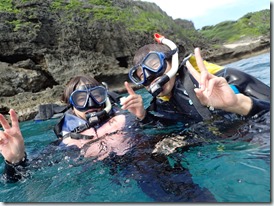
point(214, 91)
point(133, 103)
point(11, 140)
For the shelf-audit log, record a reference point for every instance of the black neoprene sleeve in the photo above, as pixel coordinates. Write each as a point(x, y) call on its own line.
point(14, 172)
point(258, 106)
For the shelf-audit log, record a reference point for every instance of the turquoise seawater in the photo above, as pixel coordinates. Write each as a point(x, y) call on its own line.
point(234, 170)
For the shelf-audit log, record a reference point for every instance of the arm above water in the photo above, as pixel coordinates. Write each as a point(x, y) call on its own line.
point(12, 148)
point(258, 106)
point(215, 91)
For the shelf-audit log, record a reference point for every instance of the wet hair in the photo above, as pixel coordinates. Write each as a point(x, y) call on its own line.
point(74, 83)
point(143, 51)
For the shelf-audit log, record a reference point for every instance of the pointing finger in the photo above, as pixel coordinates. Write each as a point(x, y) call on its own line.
point(129, 89)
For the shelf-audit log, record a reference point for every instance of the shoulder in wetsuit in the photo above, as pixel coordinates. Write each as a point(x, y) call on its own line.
point(180, 106)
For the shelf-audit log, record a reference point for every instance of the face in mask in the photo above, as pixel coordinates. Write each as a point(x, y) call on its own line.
point(88, 97)
point(153, 65)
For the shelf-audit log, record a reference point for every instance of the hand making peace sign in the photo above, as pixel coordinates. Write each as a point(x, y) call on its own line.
point(214, 91)
point(11, 140)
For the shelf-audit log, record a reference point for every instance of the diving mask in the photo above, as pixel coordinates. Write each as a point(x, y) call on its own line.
point(87, 97)
point(153, 65)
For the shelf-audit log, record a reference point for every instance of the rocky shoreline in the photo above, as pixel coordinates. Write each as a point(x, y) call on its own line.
point(237, 51)
point(26, 104)
point(42, 47)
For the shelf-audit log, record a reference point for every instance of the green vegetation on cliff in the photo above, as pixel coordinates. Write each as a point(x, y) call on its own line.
point(6, 5)
point(250, 26)
point(134, 16)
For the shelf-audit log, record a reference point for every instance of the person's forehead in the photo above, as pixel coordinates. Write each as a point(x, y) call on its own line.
point(84, 86)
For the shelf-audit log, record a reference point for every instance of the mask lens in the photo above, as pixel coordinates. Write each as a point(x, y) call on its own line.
point(79, 98)
point(136, 74)
point(99, 94)
point(153, 62)
point(89, 98)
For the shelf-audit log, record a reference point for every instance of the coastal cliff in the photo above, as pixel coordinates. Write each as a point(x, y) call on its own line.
point(46, 42)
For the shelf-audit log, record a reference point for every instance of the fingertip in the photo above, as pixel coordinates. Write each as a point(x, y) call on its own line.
point(129, 89)
point(197, 49)
point(12, 111)
point(198, 91)
point(126, 84)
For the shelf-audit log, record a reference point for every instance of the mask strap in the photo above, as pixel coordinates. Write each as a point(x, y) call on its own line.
point(170, 53)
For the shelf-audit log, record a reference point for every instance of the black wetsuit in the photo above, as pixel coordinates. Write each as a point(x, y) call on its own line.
point(154, 174)
point(182, 108)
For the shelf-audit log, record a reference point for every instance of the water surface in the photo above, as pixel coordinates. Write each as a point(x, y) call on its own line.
point(234, 168)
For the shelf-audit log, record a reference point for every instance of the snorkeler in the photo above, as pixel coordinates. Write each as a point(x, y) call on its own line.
point(92, 124)
point(95, 128)
point(192, 91)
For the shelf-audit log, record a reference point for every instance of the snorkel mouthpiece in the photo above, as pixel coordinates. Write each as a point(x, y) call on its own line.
point(156, 88)
point(94, 118)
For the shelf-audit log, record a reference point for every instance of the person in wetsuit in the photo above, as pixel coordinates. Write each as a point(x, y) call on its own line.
point(190, 96)
point(92, 125)
point(94, 129)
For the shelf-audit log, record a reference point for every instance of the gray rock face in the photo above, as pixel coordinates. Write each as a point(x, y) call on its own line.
point(43, 46)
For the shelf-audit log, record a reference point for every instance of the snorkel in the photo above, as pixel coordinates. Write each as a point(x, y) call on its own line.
point(156, 88)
